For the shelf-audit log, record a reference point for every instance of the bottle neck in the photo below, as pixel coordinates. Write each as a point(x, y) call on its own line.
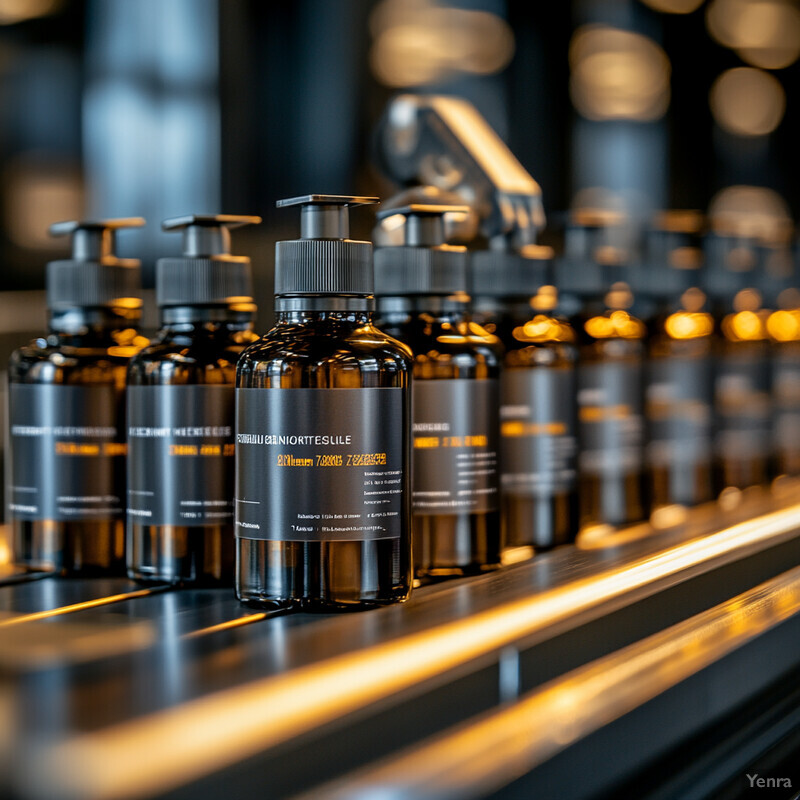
point(436, 305)
point(309, 316)
point(334, 303)
point(516, 308)
point(95, 322)
point(188, 317)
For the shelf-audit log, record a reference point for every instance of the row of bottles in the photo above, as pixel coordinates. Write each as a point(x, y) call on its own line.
point(547, 395)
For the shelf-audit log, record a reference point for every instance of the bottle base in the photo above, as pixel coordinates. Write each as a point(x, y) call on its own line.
point(313, 605)
point(456, 545)
point(322, 576)
point(178, 555)
point(84, 549)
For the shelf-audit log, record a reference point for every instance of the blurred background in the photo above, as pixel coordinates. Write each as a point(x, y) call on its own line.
point(167, 107)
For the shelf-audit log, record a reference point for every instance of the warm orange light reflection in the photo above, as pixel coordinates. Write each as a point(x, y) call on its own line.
point(229, 624)
point(544, 329)
point(688, 325)
point(784, 326)
point(57, 612)
point(745, 326)
point(617, 324)
point(207, 734)
point(486, 754)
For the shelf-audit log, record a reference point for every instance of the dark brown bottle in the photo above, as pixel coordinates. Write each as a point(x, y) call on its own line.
point(680, 365)
point(513, 298)
point(67, 410)
point(742, 382)
point(323, 517)
point(422, 302)
point(181, 410)
point(611, 340)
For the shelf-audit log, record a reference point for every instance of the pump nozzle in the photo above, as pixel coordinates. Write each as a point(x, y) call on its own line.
point(207, 234)
point(94, 276)
point(325, 216)
point(94, 240)
point(424, 223)
point(206, 273)
point(324, 260)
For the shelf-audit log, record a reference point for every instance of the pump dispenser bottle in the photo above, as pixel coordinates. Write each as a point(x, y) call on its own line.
point(421, 288)
point(680, 366)
point(181, 410)
point(322, 431)
point(66, 409)
point(513, 297)
point(610, 372)
point(743, 406)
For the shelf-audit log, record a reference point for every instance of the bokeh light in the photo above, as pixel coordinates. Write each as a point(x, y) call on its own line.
point(618, 74)
point(751, 212)
point(417, 42)
point(765, 33)
point(747, 101)
point(14, 11)
point(674, 6)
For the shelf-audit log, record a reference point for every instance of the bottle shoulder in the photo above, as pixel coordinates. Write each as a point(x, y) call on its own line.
point(324, 356)
point(174, 356)
point(50, 361)
point(309, 344)
point(431, 338)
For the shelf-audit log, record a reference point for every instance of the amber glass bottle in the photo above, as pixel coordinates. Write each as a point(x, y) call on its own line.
point(66, 410)
point(680, 365)
point(611, 340)
point(322, 432)
point(514, 298)
point(742, 384)
point(181, 410)
point(421, 289)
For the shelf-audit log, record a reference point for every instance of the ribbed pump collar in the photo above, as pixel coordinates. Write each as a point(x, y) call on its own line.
point(423, 264)
point(324, 261)
point(206, 273)
point(94, 277)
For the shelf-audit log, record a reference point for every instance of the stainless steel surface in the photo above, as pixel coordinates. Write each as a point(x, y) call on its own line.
point(482, 756)
point(100, 678)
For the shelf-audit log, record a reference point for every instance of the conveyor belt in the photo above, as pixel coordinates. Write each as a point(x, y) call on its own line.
point(100, 678)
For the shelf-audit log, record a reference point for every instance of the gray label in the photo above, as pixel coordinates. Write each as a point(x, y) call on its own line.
point(320, 464)
point(180, 455)
point(537, 430)
point(610, 418)
point(456, 440)
point(679, 398)
point(743, 404)
point(67, 452)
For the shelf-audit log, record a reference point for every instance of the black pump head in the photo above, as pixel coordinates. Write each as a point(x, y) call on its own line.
point(207, 234)
point(424, 264)
point(324, 260)
point(424, 222)
point(206, 273)
point(94, 276)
